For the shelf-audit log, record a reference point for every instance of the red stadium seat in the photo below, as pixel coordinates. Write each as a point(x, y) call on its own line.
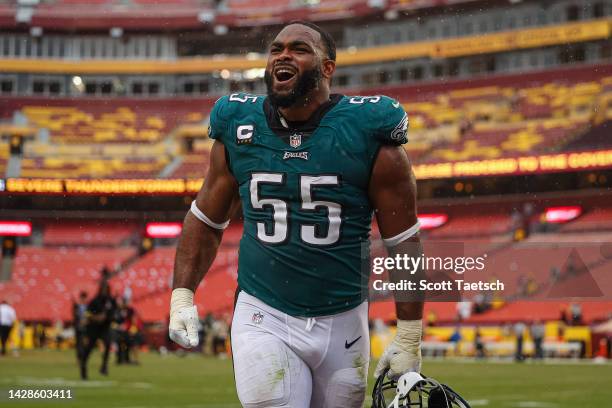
point(46, 281)
point(87, 233)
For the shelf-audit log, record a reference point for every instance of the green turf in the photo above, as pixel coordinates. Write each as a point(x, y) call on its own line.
point(196, 381)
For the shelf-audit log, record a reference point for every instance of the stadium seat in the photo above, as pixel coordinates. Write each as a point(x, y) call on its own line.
point(87, 233)
point(47, 280)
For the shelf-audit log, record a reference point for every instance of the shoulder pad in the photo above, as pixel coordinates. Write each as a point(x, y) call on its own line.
point(230, 107)
point(235, 103)
point(384, 116)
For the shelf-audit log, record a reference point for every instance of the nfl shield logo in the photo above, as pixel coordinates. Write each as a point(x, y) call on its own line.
point(295, 140)
point(257, 318)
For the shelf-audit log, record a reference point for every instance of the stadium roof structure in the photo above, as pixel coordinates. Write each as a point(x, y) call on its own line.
point(71, 15)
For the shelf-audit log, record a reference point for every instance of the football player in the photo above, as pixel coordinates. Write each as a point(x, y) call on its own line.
point(309, 168)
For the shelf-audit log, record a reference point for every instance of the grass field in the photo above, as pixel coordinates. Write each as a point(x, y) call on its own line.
point(196, 381)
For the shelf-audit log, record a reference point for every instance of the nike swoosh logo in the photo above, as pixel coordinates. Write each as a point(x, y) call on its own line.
point(396, 105)
point(348, 345)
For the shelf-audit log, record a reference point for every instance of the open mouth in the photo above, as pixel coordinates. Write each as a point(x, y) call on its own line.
point(284, 74)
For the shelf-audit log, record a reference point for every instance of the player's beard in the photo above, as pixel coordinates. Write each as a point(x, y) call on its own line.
point(304, 84)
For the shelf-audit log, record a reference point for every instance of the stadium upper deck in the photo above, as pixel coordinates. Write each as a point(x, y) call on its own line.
point(484, 87)
point(380, 43)
point(488, 121)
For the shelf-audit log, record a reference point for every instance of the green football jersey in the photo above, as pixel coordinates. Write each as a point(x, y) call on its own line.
point(304, 192)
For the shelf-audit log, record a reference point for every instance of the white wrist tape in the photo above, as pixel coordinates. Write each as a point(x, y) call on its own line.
point(408, 336)
point(202, 217)
point(402, 236)
point(181, 298)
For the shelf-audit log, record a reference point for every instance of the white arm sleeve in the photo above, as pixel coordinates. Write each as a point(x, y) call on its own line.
point(402, 236)
point(202, 217)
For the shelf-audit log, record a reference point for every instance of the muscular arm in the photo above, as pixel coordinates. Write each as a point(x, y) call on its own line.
point(393, 196)
point(199, 242)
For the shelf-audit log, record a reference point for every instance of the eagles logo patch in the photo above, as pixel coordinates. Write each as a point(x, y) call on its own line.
point(399, 132)
point(295, 155)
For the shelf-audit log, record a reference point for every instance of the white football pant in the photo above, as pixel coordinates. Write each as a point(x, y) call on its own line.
point(299, 362)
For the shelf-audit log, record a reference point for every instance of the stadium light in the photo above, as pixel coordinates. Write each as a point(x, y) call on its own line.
point(254, 73)
point(24, 14)
point(220, 29)
point(206, 17)
point(431, 221)
point(163, 229)
point(116, 32)
point(36, 31)
point(557, 215)
point(15, 228)
point(391, 15)
point(78, 84)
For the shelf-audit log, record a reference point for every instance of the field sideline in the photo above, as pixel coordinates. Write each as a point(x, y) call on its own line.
point(196, 381)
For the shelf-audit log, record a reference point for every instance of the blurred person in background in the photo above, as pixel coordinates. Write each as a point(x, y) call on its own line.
point(464, 310)
point(202, 332)
point(207, 324)
point(456, 338)
point(128, 332)
point(432, 318)
point(479, 344)
point(220, 330)
point(517, 223)
point(537, 334)
point(120, 333)
point(135, 329)
point(79, 321)
point(564, 315)
point(105, 274)
point(7, 319)
point(58, 328)
point(100, 314)
point(519, 331)
point(22, 334)
point(40, 335)
point(481, 303)
point(506, 330)
point(576, 314)
point(127, 294)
